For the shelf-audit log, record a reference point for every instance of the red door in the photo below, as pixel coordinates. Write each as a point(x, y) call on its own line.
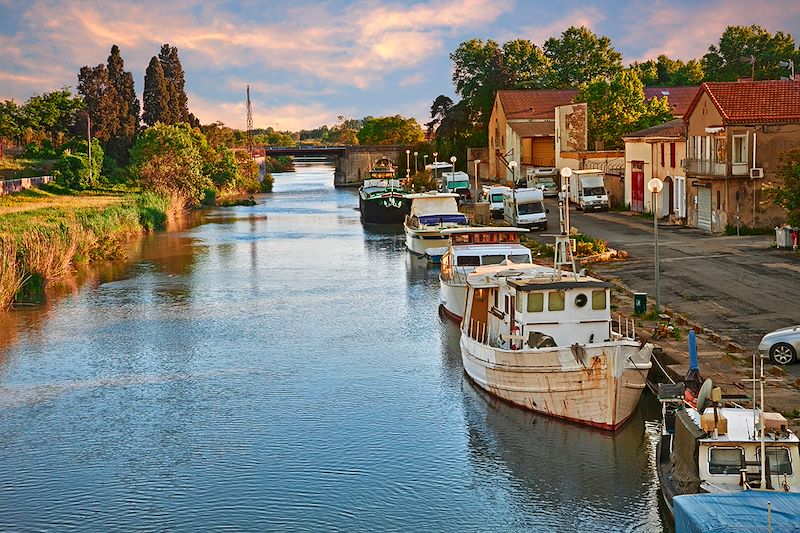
point(637, 186)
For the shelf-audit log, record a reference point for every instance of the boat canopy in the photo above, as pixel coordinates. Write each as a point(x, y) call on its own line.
point(439, 204)
point(737, 511)
point(445, 218)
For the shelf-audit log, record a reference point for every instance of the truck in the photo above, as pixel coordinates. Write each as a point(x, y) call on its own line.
point(525, 208)
point(587, 190)
point(457, 182)
point(494, 195)
point(544, 178)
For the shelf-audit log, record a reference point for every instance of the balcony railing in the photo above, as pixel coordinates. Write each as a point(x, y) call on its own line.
point(705, 167)
point(538, 161)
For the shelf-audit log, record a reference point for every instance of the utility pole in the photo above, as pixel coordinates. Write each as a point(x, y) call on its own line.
point(250, 147)
point(89, 144)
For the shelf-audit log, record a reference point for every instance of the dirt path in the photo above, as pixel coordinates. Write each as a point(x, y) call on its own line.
point(17, 203)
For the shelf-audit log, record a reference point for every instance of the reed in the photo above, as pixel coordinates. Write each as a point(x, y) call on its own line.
point(12, 276)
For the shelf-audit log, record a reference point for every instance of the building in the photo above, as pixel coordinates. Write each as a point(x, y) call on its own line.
point(736, 132)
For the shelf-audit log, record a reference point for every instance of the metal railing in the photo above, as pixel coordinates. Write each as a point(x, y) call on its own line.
point(626, 327)
point(706, 167)
point(478, 331)
point(538, 161)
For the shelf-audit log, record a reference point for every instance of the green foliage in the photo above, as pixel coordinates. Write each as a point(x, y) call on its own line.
point(785, 191)
point(390, 130)
point(617, 107)
point(267, 183)
point(73, 169)
point(155, 100)
point(587, 245)
point(730, 229)
point(747, 50)
point(153, 209)
point(669, 72)
point(100, 97)
point(167, 159)
point(423, 181)
point(224, 171)
point(126, 107)
point(579, 56)
point(177, 109)
point(34, 151)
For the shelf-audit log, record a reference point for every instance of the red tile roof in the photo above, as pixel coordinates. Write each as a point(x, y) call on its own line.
point(751, 102)
point(679, 98)
point(674, 129)
point(534, 103)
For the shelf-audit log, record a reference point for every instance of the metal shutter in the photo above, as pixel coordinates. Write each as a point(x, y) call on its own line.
point(704, 208)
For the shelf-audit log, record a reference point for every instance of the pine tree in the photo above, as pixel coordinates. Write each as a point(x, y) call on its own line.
point(156, 95)
point(127, 106)
point(173, 72)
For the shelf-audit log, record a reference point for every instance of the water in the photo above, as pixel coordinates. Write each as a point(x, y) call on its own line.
point(279, 367)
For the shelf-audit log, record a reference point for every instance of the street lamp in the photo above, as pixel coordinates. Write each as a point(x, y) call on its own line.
point(408, 163)
point(415, 162)
point(477, 162)
point(654, 186)
point(513, 166)
point(435, 160)
point(425, 161)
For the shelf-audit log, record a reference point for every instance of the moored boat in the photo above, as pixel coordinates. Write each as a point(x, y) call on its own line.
point(381, 198)
point(431, 213)
point(545, 340)
point(468, 249)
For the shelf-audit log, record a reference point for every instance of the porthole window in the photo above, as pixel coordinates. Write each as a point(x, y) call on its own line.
point(580, 300)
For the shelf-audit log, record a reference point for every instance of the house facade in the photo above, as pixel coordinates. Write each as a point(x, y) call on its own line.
point(736, 133)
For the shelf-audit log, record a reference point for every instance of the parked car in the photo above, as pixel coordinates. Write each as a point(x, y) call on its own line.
point(464, 195)
point(781, 345)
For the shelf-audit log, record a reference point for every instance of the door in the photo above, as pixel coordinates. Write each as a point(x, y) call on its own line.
point(668, 192)
point(704, 208)
point(679, 192)
point(543, 151)
point(637, 186)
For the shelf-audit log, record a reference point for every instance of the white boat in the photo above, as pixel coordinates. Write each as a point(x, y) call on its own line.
point(468, 249)
point(545, 340)
point(431, 212)
point(711, 444)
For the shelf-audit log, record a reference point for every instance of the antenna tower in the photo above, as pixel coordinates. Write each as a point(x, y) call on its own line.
point(250, 147)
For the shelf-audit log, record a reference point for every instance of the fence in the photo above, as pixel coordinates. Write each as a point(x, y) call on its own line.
point(16, 185)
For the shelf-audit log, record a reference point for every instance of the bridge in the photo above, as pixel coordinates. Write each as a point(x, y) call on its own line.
point(352, 162)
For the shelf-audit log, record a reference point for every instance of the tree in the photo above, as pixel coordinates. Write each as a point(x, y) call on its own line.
point(786, 191)
point(178, 108)
point(100, 98)
point(669, 72)
point(439, 109)
point(617, 107)
point(52, 113)
point(127, 104)
point(166, 158)
point(744, 51)
point(390, 130)
point(525, 65)
point(74, 169)
point(579, 56)
point(345, 132)
point(12, 121)
point(156, 96)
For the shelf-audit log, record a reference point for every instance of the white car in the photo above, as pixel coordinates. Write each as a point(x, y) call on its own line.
point(781, 345)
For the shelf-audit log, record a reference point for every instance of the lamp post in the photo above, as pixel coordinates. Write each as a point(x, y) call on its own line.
point(425, 161)
point(654, 186)
point(513, 166)
point(477, 162)
point(435, 160)
point(563, 199)
point(408, 162)
point(415, 162)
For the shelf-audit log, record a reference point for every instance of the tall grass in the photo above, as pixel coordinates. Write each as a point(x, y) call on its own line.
point(45, 244)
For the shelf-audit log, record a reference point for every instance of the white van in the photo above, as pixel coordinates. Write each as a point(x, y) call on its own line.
point(494, 195)
point(587, 190)
point(525, 208)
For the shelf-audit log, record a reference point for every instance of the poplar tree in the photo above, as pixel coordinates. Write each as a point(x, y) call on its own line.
point(174, 75)
point(127, 104)
point(100, 98)
point(156, 96)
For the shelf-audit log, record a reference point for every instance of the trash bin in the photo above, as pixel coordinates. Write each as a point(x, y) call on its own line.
point(639, 303)
point(783, 237)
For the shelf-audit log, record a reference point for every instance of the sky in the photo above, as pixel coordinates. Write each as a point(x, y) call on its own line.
point(308, 62)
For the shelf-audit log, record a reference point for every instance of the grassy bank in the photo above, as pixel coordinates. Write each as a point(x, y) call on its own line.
point(44, 244)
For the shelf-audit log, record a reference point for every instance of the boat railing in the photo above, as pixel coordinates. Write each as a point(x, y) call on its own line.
point(478, 331)
point(625, 328)
point(456, 276)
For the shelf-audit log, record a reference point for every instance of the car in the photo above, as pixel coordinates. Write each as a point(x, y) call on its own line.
point(464, 195)
point(781, 345)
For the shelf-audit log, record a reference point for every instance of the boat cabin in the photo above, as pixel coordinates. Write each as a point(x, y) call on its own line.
point(537, 306)
point(435, 210)
point(473, 247)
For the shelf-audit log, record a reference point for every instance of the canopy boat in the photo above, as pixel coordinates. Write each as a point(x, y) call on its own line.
point(713, 444)
point(468, 249)
point(431, 212)
point(381, 198)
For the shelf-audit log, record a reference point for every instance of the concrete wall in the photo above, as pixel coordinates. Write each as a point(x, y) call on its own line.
point(9, 186)
point(352, 167)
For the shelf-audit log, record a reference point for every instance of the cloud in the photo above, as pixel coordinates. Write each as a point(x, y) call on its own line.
point(590, 17)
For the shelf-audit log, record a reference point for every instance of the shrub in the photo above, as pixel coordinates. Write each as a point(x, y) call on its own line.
point(267, 183)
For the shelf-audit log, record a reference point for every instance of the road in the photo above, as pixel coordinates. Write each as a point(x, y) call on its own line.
point(739, 287)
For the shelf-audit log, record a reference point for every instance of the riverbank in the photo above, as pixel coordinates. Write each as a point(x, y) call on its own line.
point(47, 232)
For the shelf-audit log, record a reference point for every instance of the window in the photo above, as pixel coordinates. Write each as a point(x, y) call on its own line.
point(724, 460)
point(555, 301)
point(492, 259)
point(739, 155)
point(580, 300)
point(662, 153)
point(468, 260)
point(531, 208)
point(535, 302)
point(599, 299)
point(497, 198)
point(519, 258)
point(779, 462)
point(672, 155)
point(719, 200)
point(520, 302)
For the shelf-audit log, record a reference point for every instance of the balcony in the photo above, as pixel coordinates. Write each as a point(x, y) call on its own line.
point(705, 167)
point(539, 161)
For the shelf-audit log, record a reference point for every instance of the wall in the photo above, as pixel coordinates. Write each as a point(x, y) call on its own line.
point(637, 151)
point(352, 167)
point(497, 139)
point(16, 185)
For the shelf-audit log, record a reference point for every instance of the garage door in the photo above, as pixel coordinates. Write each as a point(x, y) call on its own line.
point(704, 208)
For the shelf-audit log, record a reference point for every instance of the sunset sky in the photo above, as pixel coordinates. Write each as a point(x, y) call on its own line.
point(308, 62)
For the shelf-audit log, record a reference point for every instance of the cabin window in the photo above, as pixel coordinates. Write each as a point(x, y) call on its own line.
point(555, 301)
point(485, 238)
point(580, 300)
point(507, 237)
point(480, 294)
point(519, 258)
point(535, 302)
point(492, 259)
point(724, 460)
point(460, 238)
point(520, 302)
point(468, 260)
point(599, 300)
point(779, 462)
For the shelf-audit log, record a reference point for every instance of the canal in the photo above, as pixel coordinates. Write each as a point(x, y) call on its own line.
point(279, 367)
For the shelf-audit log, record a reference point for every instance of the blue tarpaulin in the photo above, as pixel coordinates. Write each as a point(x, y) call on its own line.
point(736, 512)
point(432, 220)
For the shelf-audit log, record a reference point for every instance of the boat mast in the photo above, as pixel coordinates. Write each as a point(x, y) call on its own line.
point(563, 252)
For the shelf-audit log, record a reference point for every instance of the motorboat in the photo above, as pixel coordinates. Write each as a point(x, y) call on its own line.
point(431, 213)
point(468, 249)
point(381, 198)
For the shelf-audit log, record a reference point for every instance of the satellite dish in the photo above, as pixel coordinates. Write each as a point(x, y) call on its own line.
point(704, 395)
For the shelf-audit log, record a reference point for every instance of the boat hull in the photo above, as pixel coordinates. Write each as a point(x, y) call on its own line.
point(419, 242)
point(597, 385)
point(391, 209)
point(453, 298)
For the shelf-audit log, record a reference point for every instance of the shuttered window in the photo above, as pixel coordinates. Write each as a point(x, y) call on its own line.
point(672, 155)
